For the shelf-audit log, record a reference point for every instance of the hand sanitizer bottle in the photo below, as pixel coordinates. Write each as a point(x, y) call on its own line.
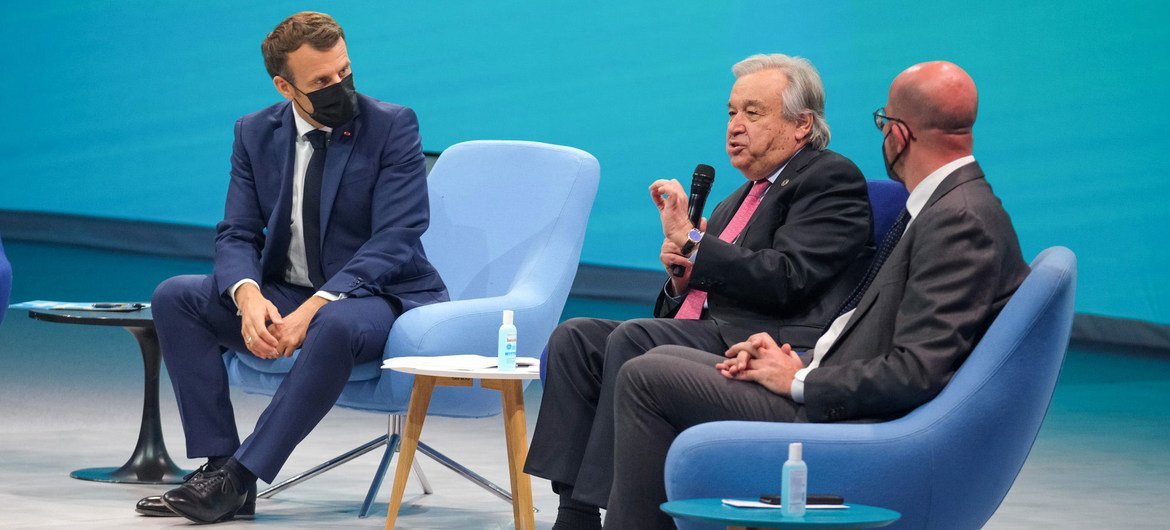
point(506, 356)
point(793, 487)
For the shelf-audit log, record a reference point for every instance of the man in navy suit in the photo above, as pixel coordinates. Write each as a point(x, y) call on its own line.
point(319, 250)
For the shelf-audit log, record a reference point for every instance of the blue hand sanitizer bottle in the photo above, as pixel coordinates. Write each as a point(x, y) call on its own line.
point(794, 482)
point(506, 354)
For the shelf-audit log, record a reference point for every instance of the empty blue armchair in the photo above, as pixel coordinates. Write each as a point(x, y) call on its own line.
point(507, 223)
point(947, 464)
point(5, 281)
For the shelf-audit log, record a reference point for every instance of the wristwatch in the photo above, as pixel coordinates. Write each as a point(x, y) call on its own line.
point(693, 238)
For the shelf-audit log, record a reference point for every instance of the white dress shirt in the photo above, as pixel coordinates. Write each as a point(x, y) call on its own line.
point(914, 205)
point(296, 270)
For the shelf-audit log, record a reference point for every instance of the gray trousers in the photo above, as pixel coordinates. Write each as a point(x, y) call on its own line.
point(658, 395)
point(573, 441)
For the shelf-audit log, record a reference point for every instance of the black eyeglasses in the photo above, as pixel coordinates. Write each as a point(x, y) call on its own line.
point(880, 120)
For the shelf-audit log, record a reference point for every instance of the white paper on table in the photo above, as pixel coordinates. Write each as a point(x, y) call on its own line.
point(458, 362)
point(757, 504)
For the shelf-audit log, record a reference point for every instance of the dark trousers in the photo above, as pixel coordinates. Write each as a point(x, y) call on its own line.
point(659, 395)
point(572, 443)
point(195, 325)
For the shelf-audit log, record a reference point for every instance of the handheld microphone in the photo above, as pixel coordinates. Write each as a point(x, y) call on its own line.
point(701, 181)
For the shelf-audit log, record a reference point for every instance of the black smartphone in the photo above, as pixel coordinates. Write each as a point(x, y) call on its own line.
point(815, 498)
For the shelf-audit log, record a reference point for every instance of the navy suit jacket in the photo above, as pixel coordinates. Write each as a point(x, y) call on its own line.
point(374, 206)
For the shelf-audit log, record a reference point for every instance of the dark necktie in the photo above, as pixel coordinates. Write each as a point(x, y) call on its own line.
point(311, 207)
point(883, 252)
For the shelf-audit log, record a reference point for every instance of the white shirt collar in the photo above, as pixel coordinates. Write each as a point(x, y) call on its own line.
point(304, 126)
point(917, 200)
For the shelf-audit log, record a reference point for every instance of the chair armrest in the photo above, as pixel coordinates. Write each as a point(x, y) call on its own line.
point(463, 327)
point(460, 327)
point(743, 459)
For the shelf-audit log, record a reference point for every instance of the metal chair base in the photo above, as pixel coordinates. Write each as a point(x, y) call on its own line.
point(391, 440)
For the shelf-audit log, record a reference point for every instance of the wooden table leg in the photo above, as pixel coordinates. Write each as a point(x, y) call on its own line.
point(515, 431)
point(420, 399)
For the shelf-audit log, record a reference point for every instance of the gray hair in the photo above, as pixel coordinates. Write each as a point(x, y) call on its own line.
point(805, 92)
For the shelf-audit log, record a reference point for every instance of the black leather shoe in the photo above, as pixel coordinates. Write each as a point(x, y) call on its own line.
point(153, 506)
point(211, 497)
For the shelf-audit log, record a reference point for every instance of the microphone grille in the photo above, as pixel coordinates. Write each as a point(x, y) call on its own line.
point(704, 175)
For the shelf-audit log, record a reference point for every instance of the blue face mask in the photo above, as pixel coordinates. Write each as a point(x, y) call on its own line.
point(334, 105)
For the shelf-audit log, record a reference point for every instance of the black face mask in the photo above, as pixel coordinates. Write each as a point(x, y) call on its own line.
point(890, 163)
point(334, 105)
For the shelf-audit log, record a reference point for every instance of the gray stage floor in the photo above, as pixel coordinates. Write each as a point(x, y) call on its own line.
point(70, 397)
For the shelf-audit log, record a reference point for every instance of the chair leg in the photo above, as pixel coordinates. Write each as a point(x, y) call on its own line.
point(464, 472)
point(422, 479)
point(395, 433)
point(397, 424)
point(391, 440)
point(391, 448)
point(346, 457)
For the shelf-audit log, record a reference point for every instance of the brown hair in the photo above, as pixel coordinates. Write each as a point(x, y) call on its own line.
point(307, 27)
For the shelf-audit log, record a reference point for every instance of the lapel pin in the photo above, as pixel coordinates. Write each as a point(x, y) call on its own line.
point(784, 182)
point(346, 134)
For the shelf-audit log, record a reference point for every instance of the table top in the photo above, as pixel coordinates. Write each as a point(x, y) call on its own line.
point(462, 366)
point(142, 318)
point(714, 511)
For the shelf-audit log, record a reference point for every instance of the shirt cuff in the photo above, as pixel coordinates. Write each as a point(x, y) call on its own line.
point(672, 297)
point(330, 296)
point(236, 287)
point(798, 384)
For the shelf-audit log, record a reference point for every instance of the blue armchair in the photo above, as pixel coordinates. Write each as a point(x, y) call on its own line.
point(947, 464)
point(5, 281)
point(886, 200)
point(507, 223)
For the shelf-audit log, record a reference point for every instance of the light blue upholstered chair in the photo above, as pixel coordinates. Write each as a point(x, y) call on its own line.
point(5, 281)
point(947, 464)
point(507, 222)
point(886, 200)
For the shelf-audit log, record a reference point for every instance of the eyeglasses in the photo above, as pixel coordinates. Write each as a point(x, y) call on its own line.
point(880, 119)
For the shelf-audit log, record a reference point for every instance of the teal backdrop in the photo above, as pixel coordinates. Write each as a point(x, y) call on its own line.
point(125, 109)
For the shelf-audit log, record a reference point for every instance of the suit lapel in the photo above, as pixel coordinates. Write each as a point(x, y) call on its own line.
point(863, 307)
point(960, 176)
point(790, 173)
point(336, 158)
point(283, 154)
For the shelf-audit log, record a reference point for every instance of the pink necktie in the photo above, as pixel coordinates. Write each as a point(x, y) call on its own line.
point(692, 306)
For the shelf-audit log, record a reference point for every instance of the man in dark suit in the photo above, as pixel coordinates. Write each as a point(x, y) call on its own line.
point(319, 249)
point(901, 335)
point(779, 254)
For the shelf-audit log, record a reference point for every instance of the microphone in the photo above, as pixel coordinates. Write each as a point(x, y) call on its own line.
point(701, 181)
